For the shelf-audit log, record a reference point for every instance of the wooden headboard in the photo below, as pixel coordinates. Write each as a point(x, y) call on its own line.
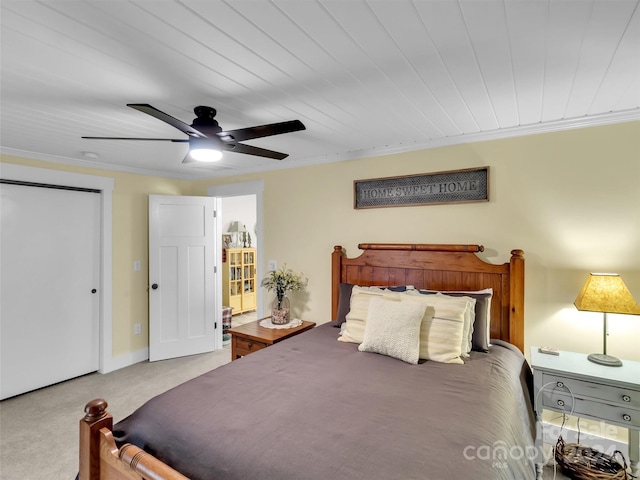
point(439, 267)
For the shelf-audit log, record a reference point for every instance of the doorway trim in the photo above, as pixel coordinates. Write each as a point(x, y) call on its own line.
point(256, 188)
point(105, 185)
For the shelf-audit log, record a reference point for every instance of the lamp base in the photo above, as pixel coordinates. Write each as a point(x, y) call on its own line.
point(604, 359)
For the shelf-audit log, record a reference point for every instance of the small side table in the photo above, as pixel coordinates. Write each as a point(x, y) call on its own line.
point(569, 382)
point(251, 337)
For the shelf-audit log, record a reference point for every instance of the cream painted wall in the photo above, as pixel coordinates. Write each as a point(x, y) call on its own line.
point(130, 243)
point(570, 200)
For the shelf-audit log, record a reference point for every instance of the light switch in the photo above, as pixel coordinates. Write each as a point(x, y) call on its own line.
point(136, 266)
point(272, 265)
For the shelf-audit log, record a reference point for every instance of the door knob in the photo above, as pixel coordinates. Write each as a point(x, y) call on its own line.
point(93, 290)
point(154, 286)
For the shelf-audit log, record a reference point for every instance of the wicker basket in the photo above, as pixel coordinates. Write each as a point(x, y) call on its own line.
point(583, 463)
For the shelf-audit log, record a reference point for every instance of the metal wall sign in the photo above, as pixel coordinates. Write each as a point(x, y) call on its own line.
point(455, 186)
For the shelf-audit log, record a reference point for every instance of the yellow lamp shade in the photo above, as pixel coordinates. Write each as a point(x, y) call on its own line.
point(606, 292)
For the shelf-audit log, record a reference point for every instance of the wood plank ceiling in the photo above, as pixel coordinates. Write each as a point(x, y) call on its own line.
point(365, 77)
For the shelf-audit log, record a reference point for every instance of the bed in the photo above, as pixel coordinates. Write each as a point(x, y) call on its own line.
point(315, 408)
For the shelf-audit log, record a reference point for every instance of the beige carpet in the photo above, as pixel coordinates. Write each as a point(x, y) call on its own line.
point(39, 430)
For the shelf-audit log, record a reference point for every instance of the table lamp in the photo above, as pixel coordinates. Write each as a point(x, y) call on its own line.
point(606, 293)
point(236, 229)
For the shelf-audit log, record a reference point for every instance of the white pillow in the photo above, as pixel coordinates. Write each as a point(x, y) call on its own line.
point(353, 327)
point(469, 305)
point(482, 322)
point(393, 329)
point(442, 329)
point(469, 319)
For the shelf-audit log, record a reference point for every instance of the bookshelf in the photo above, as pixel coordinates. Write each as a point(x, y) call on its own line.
point(239, 280)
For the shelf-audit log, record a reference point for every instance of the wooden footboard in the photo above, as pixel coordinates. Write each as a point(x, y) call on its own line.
point(101, 459)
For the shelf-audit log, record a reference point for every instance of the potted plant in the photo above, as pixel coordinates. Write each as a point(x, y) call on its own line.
point(283, 281)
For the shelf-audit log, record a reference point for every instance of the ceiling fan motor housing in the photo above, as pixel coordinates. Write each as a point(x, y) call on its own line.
point(205, 121)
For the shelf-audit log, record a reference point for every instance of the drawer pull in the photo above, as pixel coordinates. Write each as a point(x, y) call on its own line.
point(626, 417)
point(249, 345)
point(560, 384)
point(561, 403)
point(626, 398)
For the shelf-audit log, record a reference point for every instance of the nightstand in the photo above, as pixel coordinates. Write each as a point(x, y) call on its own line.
point(609, 394)
point(251, 337)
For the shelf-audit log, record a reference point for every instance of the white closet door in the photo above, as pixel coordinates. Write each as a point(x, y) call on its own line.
point(49, 265)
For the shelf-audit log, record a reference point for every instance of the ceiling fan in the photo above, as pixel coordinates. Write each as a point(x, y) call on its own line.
point(207, 139)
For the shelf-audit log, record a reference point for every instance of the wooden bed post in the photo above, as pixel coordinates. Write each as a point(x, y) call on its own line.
point(336, 267)
point(101, 459)
point(96, 417)
point(516, 295)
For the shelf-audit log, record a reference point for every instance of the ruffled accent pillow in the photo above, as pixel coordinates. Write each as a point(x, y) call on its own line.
point(393, 329)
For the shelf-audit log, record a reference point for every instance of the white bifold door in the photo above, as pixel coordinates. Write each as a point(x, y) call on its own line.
point(182, 278)
point(49, 286)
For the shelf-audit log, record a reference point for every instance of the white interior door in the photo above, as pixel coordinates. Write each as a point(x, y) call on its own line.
point(182, 278)
point(49, 286)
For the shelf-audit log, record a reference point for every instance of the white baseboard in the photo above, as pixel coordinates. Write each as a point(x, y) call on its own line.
point(126, 360)
point(550, 434)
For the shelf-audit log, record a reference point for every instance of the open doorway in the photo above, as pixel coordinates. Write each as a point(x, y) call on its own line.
point(240, 259)
point(242, 203)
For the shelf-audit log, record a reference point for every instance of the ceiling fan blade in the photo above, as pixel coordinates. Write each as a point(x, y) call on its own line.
point(181, 140)
point(250, 133)
point(174, 122)
point(257, 151)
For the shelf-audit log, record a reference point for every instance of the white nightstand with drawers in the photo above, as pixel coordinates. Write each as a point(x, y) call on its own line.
point(610, 394)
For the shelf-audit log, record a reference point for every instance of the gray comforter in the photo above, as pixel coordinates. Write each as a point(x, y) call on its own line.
point(313, 408)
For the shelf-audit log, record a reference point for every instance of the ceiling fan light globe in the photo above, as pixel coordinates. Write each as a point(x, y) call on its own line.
point(205, 154)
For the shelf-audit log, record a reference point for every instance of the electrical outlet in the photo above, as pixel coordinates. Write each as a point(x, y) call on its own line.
point(272, 265)
point(137, 329)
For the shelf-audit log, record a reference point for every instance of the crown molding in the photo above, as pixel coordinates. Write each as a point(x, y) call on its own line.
point(499, 134)
point(45, 157)
point(503, 133)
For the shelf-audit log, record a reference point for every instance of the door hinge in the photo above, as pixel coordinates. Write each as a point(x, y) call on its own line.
point(215, 269)
point(215, 214)
point(215, 325)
